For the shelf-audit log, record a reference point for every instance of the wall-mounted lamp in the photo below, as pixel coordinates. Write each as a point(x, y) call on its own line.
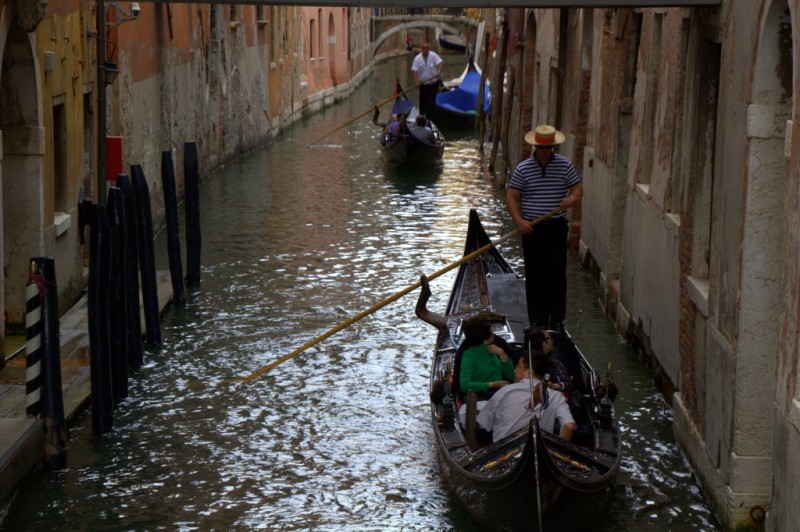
point(108, 71)
point(120, 14)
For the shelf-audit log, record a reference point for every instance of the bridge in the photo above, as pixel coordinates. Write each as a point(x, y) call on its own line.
point(391, 25)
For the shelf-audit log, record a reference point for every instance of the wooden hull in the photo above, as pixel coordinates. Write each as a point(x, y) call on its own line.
point(530, 461)
point(415, 145)
point(406, 149)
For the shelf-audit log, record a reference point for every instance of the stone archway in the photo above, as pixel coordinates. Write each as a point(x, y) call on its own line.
point(403, 27)
point(21, 171)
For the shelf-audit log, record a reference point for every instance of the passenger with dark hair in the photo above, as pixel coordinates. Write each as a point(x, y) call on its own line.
point(539, 339)
point(485, 367)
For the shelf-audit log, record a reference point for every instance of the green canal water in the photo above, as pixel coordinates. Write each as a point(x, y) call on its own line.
point(296, 240)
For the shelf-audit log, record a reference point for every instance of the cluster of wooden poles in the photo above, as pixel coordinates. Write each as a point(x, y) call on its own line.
point(121, 252)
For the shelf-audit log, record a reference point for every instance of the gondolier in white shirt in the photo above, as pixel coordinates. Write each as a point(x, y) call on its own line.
point(540, 184)
point(427, 69)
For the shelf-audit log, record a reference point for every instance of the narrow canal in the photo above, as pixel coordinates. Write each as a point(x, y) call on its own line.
point(296, 240)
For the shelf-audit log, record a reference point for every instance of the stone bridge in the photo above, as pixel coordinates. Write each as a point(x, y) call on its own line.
point(388, 26)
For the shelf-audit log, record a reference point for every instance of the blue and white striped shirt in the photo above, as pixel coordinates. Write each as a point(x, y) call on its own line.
point(543, 187)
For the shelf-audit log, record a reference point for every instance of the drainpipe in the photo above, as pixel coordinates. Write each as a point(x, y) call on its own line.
point(100, 19)
point(562, 62)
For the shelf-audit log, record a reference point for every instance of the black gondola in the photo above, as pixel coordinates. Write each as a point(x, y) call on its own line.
point(415, 143)
point(450, 41)
point(589, 463)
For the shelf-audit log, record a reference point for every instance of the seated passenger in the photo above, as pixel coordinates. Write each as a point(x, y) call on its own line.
point(392, 127)
point(510, 408)
point(540, 340)
point(420, 131)
point(484, 367)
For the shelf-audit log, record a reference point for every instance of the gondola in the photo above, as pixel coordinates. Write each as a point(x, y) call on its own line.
point(507, 469)
point(449, 41)
point(457, 103)
point(415, 144)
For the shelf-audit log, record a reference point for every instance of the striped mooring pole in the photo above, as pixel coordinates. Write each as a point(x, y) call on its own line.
point(43, 273)
point(33, 348)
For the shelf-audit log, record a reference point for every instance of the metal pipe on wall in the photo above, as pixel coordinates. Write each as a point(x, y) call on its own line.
point(100, 21)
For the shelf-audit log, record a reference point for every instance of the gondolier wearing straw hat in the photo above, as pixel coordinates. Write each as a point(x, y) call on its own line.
point(540, 184)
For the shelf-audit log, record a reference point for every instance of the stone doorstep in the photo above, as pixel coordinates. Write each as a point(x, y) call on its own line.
point(21, 448)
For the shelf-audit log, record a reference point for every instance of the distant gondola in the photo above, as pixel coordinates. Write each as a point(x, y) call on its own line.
point(449, 41)
point(507, 469)
point(415, 143)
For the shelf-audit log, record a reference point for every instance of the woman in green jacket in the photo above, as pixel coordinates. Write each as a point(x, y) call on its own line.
point(485, 367)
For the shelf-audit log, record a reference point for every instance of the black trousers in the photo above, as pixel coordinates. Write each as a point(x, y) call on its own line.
point(427, 98)
point(545, 253)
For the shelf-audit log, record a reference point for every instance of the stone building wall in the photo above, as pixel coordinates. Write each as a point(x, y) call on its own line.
point(689, 217)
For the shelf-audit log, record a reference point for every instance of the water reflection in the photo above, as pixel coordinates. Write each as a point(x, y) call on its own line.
point(297, 240)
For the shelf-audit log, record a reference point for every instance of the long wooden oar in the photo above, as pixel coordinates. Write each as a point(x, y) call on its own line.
point(384, 102)
point(388, 300)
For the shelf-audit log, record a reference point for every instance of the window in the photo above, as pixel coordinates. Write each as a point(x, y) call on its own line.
point(60, 180)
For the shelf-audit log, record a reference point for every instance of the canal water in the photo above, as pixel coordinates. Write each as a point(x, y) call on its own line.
point(296, 240)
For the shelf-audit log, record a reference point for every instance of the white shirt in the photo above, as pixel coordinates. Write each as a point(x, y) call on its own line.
point(509, 410)
point(427, 71)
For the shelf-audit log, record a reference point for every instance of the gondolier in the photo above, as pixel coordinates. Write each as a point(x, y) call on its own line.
point(543, 182)
point(427, 69)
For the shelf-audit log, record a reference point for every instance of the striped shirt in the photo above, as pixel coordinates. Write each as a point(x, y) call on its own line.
point(543, 187)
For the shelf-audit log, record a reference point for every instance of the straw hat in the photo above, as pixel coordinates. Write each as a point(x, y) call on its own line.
point(545, 135)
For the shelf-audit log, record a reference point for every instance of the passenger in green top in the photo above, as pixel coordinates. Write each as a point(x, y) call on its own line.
point(485, 367)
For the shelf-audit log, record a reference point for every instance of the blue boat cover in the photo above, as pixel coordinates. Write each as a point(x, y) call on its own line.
point(464, 98)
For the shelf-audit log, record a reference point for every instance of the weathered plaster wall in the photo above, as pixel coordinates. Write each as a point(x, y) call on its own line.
point(228, 84)
point(649, 277)
point(784, 513)
point(608, 132)
point(784, 509)
point(545, 84)
point(686, 221)
point(597, 191)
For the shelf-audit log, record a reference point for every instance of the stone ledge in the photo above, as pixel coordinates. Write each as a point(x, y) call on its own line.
point(733, 509)
point(21, 448)
point(697, 289)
